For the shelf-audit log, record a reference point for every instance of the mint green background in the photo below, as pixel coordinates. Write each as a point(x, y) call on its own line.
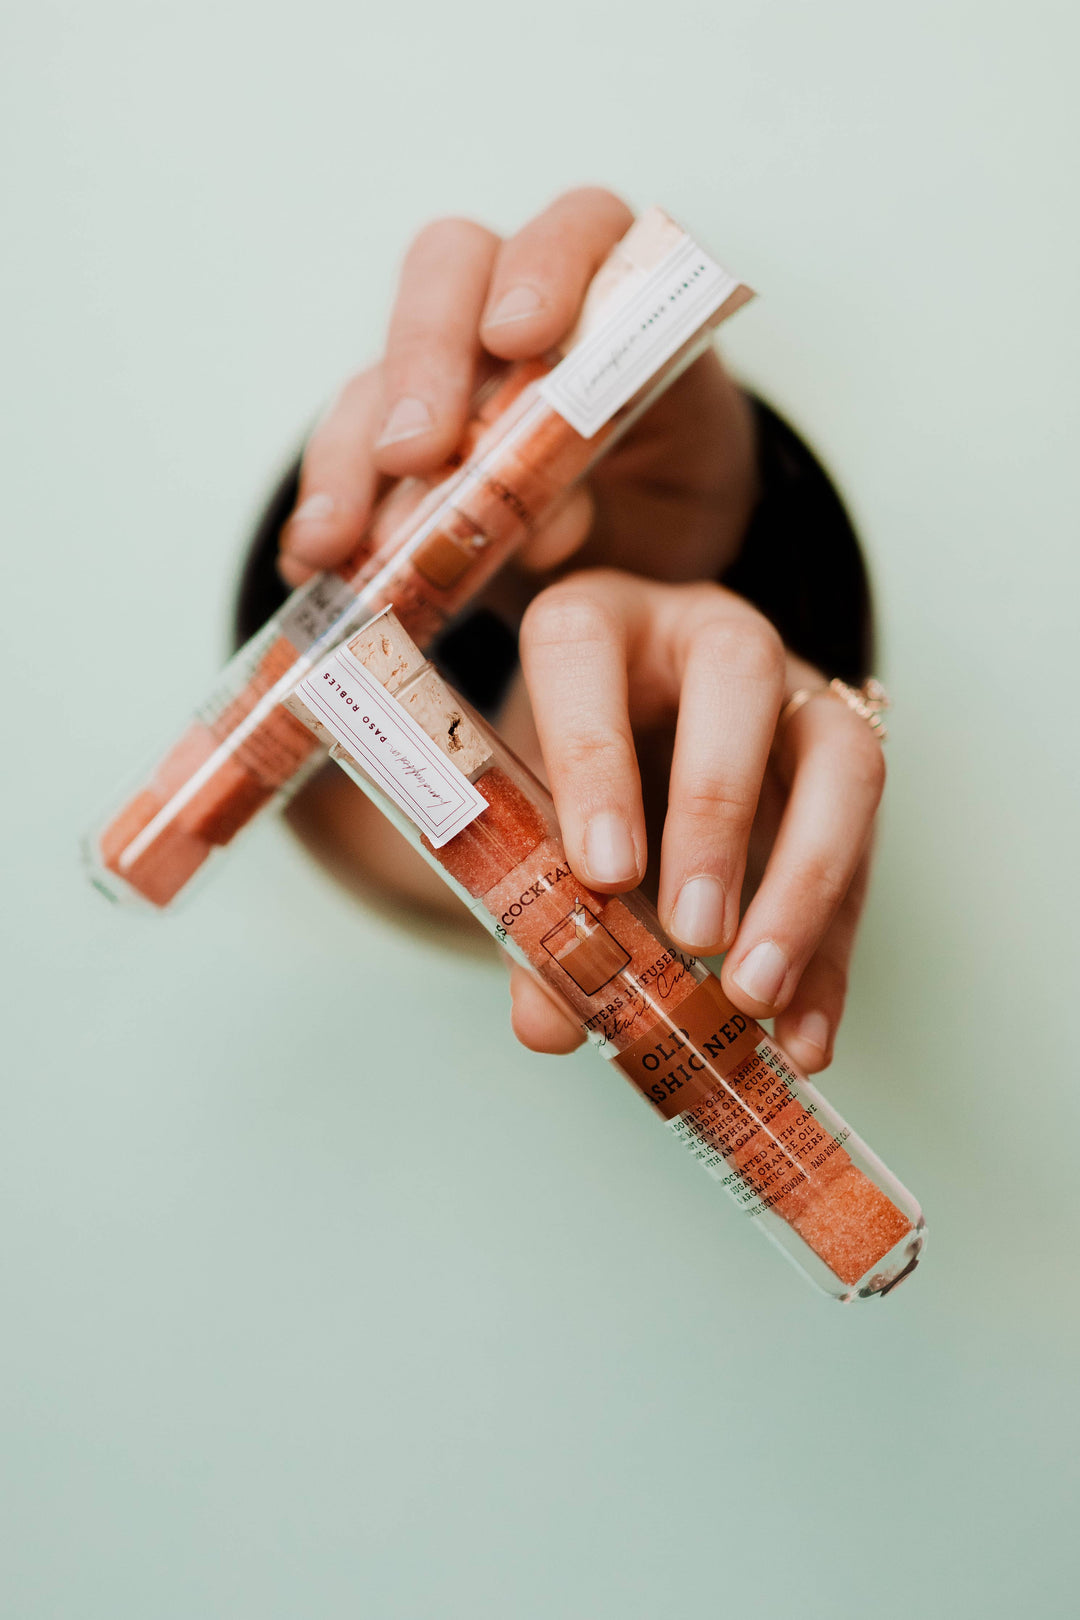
point(320, 1297)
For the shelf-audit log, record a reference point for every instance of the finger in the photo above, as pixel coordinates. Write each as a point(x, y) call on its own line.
point(541, 273)
point(573, 654)
point(536, 1018)
point(338, 480)
point(433, 345)
point(837, 784)
point(561, 535)
point(732, 684)
point(807, 1027)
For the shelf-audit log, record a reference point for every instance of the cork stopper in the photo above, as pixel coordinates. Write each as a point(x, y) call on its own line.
point(387, 652)
point(431, 703)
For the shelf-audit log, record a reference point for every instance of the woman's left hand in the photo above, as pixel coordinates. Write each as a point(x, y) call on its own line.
point(608, 657)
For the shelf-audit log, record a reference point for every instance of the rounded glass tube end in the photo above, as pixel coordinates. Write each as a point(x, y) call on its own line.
point(892, 1269)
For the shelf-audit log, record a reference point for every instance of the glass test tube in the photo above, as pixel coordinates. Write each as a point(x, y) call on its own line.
point(724, 1086)
point(242, 752)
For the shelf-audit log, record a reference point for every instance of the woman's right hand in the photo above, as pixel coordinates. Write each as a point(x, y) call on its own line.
point(671, 501)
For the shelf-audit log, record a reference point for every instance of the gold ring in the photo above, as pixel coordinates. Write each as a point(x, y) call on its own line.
point(868, 701)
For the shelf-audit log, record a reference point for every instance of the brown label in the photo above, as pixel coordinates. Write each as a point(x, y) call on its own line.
point(676, 1064)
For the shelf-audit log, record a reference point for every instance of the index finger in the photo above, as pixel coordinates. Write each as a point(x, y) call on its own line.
point(573, 655)
point(541, 274)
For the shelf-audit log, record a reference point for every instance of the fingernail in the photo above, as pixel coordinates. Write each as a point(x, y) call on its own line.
point(409, 418)
point(517, 305)
point(813, 1030)
point(761, 974)
point(609, 849)
point(698, 917)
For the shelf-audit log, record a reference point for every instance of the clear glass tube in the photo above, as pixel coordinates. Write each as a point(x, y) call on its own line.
point(243, 753)
point(724, 1086)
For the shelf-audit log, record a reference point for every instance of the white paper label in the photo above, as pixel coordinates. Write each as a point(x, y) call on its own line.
point(390, 747)
point(605, 370)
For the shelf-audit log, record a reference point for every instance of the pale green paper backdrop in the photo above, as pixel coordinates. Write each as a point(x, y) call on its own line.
point(320, 1297)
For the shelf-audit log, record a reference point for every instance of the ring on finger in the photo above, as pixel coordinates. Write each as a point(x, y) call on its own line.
point(868, 701)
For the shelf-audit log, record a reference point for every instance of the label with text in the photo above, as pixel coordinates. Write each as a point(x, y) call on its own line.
point(677, 1062)
point(389, 746)
point(602, 372)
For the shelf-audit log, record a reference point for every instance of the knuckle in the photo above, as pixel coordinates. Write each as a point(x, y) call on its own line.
point(600, 754)
point(822, 882)
point(417, 349)
point(450, 233)
point(423, 360)
point(745, 644)
point(715, 803)
point(567, 616)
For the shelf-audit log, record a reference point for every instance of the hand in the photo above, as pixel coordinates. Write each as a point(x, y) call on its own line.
point(614, 664)
point(671, 503)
